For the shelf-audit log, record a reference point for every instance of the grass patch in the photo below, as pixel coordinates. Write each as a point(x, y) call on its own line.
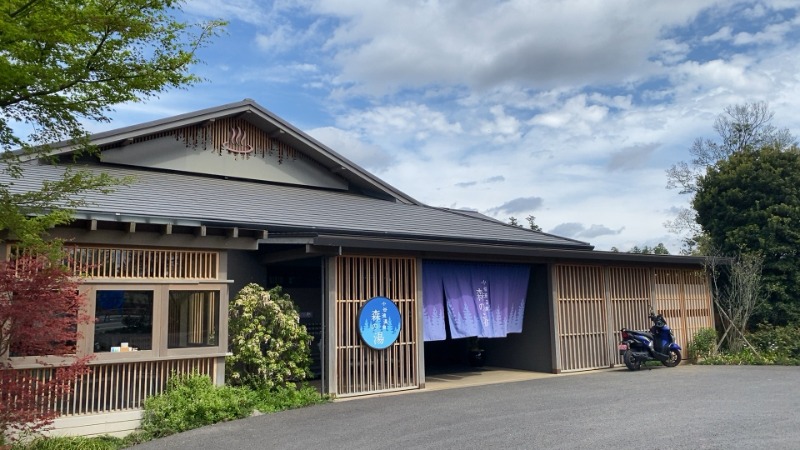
point(84, 443)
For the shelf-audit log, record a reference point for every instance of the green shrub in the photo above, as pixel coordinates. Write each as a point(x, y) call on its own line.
point(270, 348)
point(703, 345)
point(779, 343)
point(192, 401)
point(288, 397)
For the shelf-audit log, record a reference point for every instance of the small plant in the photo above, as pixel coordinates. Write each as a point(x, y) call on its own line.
point(192, 401)
point(73, 442)
point(270, 348)
point(744, 357)
point(703, 344)
point(289, 397)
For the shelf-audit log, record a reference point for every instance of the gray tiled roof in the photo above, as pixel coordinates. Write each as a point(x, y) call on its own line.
point(211, 200)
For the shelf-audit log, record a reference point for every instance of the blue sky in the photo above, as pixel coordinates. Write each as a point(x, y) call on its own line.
point(571, 111)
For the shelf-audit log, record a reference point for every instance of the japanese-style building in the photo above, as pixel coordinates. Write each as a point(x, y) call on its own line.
point(233, 195)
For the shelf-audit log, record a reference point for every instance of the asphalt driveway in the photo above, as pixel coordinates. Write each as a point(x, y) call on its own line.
point(685, 407)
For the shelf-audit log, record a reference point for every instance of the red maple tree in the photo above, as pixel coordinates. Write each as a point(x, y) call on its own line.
point(40, 309)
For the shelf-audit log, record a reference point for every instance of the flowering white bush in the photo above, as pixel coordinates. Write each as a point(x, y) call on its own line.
point(270, 348)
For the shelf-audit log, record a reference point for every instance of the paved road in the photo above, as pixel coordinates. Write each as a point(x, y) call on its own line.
point(685, 407)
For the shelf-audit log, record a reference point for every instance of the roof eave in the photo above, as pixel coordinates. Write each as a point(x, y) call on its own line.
point(428, 246)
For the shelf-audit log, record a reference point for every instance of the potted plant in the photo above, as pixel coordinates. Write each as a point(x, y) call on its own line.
point(476, 354)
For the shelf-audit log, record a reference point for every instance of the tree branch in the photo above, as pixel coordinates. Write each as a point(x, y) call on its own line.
point(23, 8)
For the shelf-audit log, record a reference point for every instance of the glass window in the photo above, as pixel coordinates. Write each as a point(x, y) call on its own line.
point(124, 321)
point(193, 319)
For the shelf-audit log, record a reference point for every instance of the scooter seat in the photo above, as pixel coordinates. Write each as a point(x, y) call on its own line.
point(646, 334)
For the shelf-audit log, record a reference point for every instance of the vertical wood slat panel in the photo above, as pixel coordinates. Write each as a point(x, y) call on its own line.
point(580, 296)
point(630, 302)
point(681, 295)
point(138, 263)
point(360, 369)
point(110, 387)
point(669, 301)
point(689, 292)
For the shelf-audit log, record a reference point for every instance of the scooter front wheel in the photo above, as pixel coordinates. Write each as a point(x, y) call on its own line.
point(674, 358)
point(630, 360)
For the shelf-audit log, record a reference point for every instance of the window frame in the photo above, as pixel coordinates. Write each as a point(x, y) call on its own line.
point(88, 334)
point(222, 340)
point(160, 334)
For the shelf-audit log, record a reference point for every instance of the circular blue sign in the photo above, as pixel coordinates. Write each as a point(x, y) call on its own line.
point(379, 323)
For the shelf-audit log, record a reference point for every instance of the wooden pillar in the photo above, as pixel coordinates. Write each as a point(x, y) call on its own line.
point(555, 343)
point(330, 328)
point(420, 331)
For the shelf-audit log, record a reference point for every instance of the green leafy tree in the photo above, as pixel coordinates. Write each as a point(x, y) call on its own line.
point(531, 223)
point(660, 249)
point(739, 128)
point(750, 203)
point(63, 62)
point(270, 348)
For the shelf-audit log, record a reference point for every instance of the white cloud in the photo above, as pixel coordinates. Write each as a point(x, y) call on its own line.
point(631, 158)
point(772, 34)
point(518, 205)
point(578, 230)
point(248, 11)
point(384, 45)
point(723, 34)
point(348, 143)
point(404, 121)
point(582, 105)
point(502, 127)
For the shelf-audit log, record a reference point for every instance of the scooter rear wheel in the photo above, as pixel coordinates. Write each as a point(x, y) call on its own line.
point(630, 361)
point(674, 358)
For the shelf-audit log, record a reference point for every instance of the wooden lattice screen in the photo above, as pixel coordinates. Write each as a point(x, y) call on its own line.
point(112, 387)
point(594, 303)
point(582, 323)
point(683, 298)
point(360, 369)
point(137, 263)
point(629, 295)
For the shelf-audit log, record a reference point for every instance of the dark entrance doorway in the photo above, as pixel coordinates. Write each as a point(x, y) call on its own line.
point(529, 350)
point(302, 279)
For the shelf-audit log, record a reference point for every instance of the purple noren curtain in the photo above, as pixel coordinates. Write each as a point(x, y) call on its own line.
point(484, 300)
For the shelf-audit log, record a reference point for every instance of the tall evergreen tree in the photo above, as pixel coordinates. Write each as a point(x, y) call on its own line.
point(739, 128)
point(750, 203)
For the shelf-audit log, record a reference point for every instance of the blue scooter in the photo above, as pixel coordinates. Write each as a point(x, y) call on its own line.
point(658, 344)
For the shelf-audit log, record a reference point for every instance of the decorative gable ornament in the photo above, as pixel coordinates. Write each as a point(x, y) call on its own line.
point(236, 143)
